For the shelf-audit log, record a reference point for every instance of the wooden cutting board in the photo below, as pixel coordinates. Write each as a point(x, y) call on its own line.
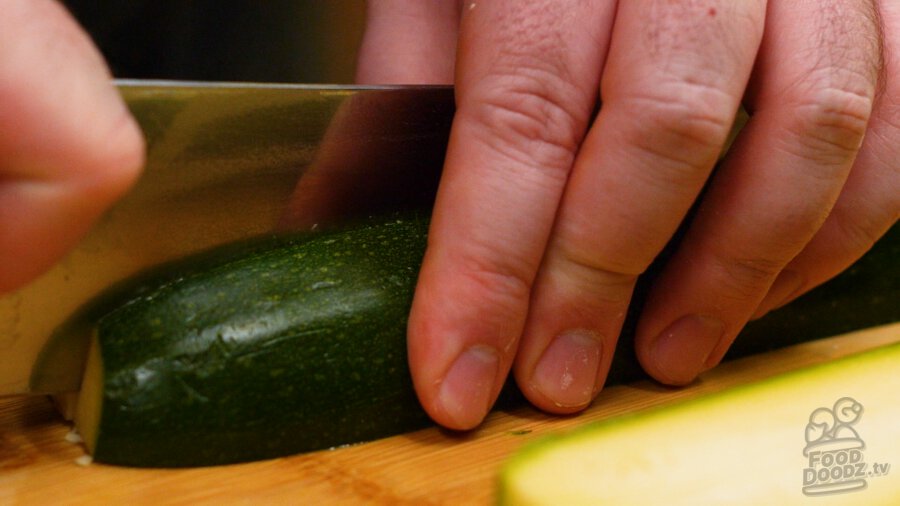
point(432, 467)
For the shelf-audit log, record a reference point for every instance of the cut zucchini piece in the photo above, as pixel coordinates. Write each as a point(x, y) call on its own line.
point(827, 434)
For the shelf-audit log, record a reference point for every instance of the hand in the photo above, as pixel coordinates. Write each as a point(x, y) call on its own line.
point(68, 145)
point(546, 216)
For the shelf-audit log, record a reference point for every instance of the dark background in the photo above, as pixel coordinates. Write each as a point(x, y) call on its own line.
point(312, 41)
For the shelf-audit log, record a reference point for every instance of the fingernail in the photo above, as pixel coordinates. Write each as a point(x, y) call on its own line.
point(782, 290)
point(467, 390)
point(567, 371)
point(680, 352)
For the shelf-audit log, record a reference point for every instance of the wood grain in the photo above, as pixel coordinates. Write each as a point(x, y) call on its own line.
point(429, 467)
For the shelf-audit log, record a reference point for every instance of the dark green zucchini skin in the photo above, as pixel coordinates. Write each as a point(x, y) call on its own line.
point(297, 347)
point(302, 345)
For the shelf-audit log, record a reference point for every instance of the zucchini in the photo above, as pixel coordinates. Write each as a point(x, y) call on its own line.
point(740, 446)
point(299, 344)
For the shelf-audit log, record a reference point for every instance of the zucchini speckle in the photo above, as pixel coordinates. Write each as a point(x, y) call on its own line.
point(263, 354)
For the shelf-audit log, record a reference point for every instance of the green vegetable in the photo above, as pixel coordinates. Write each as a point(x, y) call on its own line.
point(827, 433)
point(300, 344)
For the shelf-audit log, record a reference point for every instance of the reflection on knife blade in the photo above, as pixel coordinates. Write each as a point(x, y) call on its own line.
point(227, 162)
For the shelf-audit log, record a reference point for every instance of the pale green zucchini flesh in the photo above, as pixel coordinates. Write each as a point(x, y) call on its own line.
point(823, 435)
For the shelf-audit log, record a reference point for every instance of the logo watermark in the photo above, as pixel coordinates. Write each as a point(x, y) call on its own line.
point(836, 452)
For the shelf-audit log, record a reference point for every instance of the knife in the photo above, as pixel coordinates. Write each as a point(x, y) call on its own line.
point(227, 162)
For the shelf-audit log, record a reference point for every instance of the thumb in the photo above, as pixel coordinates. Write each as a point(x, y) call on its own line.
point(68, 145)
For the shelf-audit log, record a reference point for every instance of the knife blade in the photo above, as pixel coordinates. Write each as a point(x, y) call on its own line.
point(227, 162)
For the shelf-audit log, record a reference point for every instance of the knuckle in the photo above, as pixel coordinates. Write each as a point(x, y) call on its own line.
point(578, 244)
point(858, 233)
point(831, 121)
point(887, 108)
point(889, 113)
point(832, 97)
point(597, 274)
point(608, 284)
point(747, 277)
point(686, 133)
point(532, 117)
point(497, 278)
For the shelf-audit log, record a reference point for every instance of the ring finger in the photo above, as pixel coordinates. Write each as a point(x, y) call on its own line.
point(811, 96)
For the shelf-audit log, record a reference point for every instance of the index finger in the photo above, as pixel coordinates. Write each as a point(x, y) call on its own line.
point(527, 81)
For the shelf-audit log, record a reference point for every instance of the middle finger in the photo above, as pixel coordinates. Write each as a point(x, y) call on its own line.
point(671, 87)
